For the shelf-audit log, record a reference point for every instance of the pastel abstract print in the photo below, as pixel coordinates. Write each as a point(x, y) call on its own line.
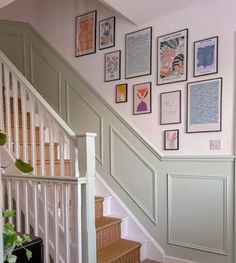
point(142, 98)
point(172, 58)
point(112, 66)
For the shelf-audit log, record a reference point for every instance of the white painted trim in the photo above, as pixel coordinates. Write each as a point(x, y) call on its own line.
point(169, 259)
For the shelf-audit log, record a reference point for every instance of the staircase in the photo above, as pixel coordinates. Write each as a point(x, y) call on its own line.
point(32, 136)
point(111, 248)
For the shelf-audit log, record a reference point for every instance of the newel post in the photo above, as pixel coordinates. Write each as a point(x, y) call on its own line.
point(86, 152)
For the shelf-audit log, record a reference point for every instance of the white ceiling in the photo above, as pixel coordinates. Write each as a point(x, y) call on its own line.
point(144, 11)
point(5, 2)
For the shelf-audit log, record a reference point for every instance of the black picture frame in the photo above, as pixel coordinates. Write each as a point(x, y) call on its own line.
point(107, 33)
point(205, 56)
point(89, 31)
point(112, 66)
point(172, 57)
point(170, 107)
point(202, 96)
point(118, 98)
point(142, 92)
point(171, 140)
point(136, 43)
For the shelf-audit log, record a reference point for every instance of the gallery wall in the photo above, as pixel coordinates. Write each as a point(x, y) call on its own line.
point(55, 20)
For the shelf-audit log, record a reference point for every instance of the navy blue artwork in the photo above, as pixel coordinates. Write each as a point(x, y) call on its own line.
point(205, 56)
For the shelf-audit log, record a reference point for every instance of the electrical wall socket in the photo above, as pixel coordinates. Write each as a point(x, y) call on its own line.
point(215, 144)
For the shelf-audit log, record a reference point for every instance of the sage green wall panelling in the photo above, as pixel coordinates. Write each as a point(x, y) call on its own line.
point(82, 117)
point(197, 212)
point(49, 85)
point(140, 181)
point(13, 46)
point(133, 169)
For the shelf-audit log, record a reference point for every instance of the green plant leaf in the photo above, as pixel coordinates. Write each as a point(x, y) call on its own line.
point(9, 213)
point(11, 258)
point(28, 254)
point(3, 138)
point(26, 238)
point(23, 167)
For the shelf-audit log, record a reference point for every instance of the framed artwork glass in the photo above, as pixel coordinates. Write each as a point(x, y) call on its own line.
point(85, 34)
point(204, 105)
point(171, 140)
point(138, 53)
point(112, 66)
point(142, 98)
point(121, 93)
point(172, 61)
point(107, 33)
point(206, 56)
point(170, 107)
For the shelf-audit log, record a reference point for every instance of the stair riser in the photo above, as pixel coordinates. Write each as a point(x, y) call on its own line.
point(107, 236)
point(37, 137)
point(67, 169)
point(132, 257)
point(46, 151)
point(98, 208)
point(19, 119)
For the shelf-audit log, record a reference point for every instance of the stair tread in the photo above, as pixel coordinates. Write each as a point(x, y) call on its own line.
point(105, 221)
point(99, 199)
point(116, 250)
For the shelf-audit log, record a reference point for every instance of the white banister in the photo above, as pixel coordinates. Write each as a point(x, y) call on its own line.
point(86, 153)
point(56, 200)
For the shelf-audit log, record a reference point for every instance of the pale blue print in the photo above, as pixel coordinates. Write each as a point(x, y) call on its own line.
point(204, 103)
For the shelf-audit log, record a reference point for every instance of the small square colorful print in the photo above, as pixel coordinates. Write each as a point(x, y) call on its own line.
point(142, 98)
point(121, 93)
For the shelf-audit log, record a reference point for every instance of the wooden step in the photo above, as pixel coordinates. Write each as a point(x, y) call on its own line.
point(122, 251)
point(19, 119)
point(67, 168)
point(98, 206)
point(108, 231)
point(46, 151)
point(37, 134)
point(11, 103)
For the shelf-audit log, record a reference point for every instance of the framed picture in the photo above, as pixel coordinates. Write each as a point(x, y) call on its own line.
point(85, 34)
point(107, 33)
point(206, 56)
point(171, 140)
point(112, 66)
point(170, 107)
point(204, 103)
point(142, 98)
point(138, 53)
point(121, 93)
point(172, 61)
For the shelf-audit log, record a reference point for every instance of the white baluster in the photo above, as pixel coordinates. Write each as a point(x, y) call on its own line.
point(24, 122)
point(32, 128)
point(1, 98)
point(35, 208)
point(8, 108)
point(27, 224)
point(55, 217)
point(51, 147)
point(61, 153)
point(46, 236)
point(42, 141)
point(66, 195)
point(9, 197)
